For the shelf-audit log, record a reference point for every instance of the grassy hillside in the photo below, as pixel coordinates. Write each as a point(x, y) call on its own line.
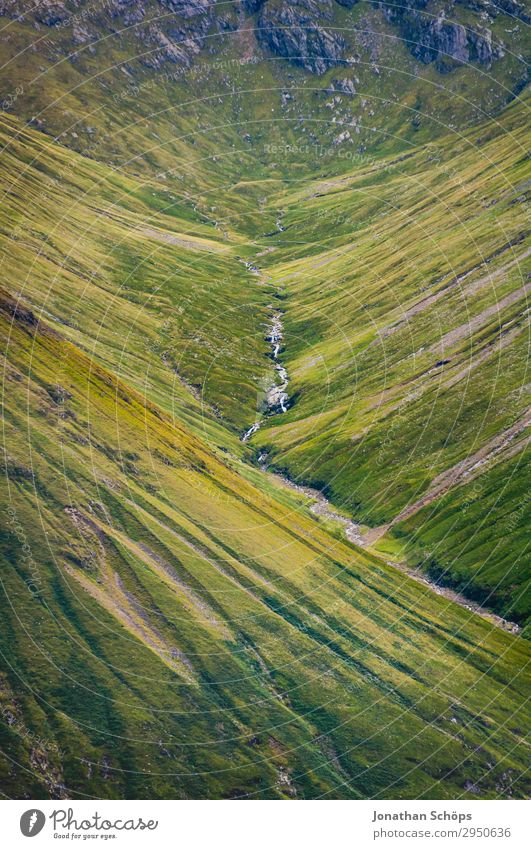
point(177, 624)
point(406, 328)
point(204, 101)
point(109, 259)
point(177, 621)
point(172, 620)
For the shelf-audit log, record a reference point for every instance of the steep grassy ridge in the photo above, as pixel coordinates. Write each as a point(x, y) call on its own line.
point(406, 325)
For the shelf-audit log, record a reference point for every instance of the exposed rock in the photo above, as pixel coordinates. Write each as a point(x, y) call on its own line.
point(252, 6)
point(178, 44)
point(132, 10)
point(345, 86)
point(470, 787)
point(80, 34)
point(226, 23)
point(50, 12)
point(495, 7)
point(134, 15)
point(342, 137)
point(187, 8)
point(481, 47)
point(301, 31)
point(293, 31)
point(445, 42)
point(435, 38)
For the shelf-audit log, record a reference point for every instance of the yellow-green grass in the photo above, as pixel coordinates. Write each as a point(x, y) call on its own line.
point(405, 311)
point(186, 633)
point(111, 261)
point(175, 623)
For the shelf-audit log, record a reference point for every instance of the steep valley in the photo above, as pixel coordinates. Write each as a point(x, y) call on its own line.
point(264, 312)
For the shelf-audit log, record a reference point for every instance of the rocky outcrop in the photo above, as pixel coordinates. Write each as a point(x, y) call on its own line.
point(252, 6)
point(295, 32)
point(187, 8)
point(300, 31)
point(173, 30)
point(480, 47)
point(439, 40)
point(177, 32)
point(496, 7)
point(51, 13)
point(345, 86)
point(437, 37)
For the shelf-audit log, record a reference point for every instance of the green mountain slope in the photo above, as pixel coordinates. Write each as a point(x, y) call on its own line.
point(406, 322)
point(179, 622)
point(113, 273)
point(201, 91)
point(174, 628)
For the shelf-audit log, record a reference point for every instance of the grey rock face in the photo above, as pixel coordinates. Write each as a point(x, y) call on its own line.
point(51, 13)
point(345, 86)
point(130, 9)
point(187, 8)
point(294, 31)
point(252, 6)
point(178, 35)
point(496, 7)
point(300, 31)
point(481, 47)
point(443, 41)
point(437, 38)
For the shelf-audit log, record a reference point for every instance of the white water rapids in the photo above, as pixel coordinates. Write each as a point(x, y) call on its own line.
point(276, 396)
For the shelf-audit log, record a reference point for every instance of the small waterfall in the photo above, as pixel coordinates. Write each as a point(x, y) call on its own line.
point(277, 396)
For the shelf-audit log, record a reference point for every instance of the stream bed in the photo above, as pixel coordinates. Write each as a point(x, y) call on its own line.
point(276, 397)
point(276, 401)
point(322, 507)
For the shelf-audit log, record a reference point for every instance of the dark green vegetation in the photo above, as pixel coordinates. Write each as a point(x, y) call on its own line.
point(176, 623)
